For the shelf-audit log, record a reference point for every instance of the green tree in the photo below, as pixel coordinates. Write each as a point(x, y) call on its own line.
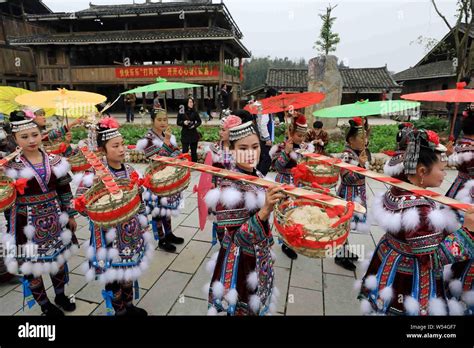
point(328, 39)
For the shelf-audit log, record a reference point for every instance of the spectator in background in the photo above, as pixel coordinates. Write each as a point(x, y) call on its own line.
point(209, 104)
point(156, 103)
point(189, 120)
point(225, 96)
point(130, 101)
point(451, 107)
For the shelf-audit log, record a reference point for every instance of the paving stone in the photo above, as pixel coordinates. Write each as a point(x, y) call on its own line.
point(281, 259)
point(187, 233)
point(191, 257)
point(340, 298)
point(189, 306)
point(5, 288)
point(195, 288)
point(159, 264)
point(190, 205)
point(306, 273)
point(206, 235)
point(304, 302)
point(11, 303)
point(163, 295)
point(192, 220)
point(92, 292)
point(82, 308)
point(329, 266)
point(282, 278)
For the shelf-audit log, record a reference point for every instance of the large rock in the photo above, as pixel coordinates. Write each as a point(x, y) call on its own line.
point(324, 76)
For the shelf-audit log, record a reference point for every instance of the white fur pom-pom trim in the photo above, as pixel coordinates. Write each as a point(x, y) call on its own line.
point(468, 297)
point(90, 275)
point(26, 268)
point(231, 297)
point(12, 267)
point(217, 290)
point(251, 202)
point(455, 287)
point(231, 197)
point(12, 173)
point(365, 307)
point(113, 254)
point(410, 219)
point(29, 231)
point(66, 236)
point(447, 273)
point(27, 173)
point(77, 178)
point(412, 306)
point(88, 180)
point(455, 308)
point(252, 281)
point(102, 254)
point(212, 198)
point(155, 212)
point(371, 282)
point(146, 195)
point(437, 306)
point(142, 145)
point(110, 235)
point(62, 168)
point(254, 304)
point(63, 219)
point(386, 294)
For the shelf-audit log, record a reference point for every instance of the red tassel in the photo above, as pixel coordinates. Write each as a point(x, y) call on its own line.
point(80, 204)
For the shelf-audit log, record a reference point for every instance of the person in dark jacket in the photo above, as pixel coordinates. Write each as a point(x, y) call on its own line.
point(189, 120)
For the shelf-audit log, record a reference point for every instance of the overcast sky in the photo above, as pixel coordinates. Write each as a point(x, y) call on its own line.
point(373, 32)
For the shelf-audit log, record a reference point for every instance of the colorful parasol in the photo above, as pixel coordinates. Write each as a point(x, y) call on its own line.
point(366, 108)
point(161, 85)
point(285, 103)
point(8, 103)
point(63, 101)
point(458, 95)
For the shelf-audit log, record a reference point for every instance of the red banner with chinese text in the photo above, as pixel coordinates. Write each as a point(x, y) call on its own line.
point(181, 71)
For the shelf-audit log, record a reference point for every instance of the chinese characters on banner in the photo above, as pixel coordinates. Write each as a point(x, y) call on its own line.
point(167, 71)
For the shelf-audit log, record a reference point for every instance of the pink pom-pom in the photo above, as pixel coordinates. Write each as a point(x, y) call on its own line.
point(231, 122)
point(109, 122)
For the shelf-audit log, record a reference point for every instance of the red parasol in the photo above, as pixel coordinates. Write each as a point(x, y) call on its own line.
point(286, 102)
point(458, 95)
point(205, 185)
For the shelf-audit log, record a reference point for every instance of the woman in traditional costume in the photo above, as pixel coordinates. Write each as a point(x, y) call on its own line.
point(405, 274)
point(285, 157)
point(41, 223)
point(352, 187)
point(242, 271)
point(118, 256)
point(159, 141)
point(222, 158)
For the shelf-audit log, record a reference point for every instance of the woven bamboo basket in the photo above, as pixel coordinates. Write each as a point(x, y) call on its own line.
point(78, 162)
point(170, 185)
point(7, 193)
point(113, 210)
point(315, 243)
point(325, 175)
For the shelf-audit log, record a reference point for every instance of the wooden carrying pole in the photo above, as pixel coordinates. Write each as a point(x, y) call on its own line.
point(391, 181)
point(287, 189)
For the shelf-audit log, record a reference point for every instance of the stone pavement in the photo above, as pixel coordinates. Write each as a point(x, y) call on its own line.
point(174, 283)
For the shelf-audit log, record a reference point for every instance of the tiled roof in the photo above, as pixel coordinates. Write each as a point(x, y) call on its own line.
point(358, 79)
point(427, 71)
point(123, 36)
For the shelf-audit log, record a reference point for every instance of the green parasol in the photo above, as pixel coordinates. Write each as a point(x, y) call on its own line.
point(162, 85)
point(365, 108)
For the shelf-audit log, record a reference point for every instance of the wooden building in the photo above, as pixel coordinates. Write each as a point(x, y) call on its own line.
point(17, 65)
point(435, 71)
point(109, 49)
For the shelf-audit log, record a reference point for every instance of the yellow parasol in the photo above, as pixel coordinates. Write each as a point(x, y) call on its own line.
point(8, 103)
point(63, 101)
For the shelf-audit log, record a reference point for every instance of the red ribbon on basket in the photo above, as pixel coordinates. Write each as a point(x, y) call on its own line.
point(346, 216)
point(294, 234)
point(319, 187)
point(337, 210)
point(185, 156)
point(300, 172)
point(62, 149)
point(80, 204)
point(20, 185)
